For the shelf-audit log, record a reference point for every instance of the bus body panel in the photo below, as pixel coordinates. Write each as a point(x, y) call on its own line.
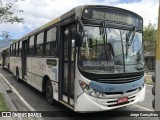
point(37, 69)
point(15, 64)
point(55, 90)
point(12, 66)
point(5, 57)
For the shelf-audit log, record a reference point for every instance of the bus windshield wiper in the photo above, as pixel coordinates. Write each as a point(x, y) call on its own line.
point(103, 33)
point(129, 39)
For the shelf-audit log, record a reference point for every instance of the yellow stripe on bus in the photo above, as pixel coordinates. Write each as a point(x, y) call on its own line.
point(50, 23)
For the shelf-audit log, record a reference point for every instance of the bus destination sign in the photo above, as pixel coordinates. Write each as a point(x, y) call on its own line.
point(112, 15)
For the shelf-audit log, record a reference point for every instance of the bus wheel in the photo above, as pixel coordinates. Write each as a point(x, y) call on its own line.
point(49, 92)
point(17, 75)
point(153, 104)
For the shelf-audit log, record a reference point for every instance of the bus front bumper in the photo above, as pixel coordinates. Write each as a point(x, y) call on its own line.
point(86, 103)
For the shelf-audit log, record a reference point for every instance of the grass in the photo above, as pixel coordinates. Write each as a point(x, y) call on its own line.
point(149, 81)
point(3, 105)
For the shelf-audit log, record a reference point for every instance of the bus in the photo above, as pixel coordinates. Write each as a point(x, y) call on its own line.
point(5, 57)
point(89, 59)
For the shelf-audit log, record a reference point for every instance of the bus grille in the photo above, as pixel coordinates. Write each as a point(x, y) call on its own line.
point(114, 103)
point(119, 80)
point(112, 99)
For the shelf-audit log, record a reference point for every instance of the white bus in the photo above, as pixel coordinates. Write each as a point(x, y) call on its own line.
point(5, 57)
point(89, 59)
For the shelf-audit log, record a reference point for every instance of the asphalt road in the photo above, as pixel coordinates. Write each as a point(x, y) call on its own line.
point(38, 102)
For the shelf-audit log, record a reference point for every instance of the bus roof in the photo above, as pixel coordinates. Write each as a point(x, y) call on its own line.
point(56, 20)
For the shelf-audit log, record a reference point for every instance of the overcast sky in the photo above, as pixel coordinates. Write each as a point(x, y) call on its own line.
point(39, 12)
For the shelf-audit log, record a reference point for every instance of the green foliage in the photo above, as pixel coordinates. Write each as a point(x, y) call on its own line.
point(3, 105)
point(149, 81)
point(149, 38)
point(5, 34)
point(7, 12)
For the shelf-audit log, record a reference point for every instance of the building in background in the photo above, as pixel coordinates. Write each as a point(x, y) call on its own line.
point(149, 58)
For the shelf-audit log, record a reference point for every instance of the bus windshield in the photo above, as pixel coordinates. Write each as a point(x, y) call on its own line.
point(112, 54)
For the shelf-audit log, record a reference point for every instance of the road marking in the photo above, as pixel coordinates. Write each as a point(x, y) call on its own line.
point(15, 91)
point(142, 107)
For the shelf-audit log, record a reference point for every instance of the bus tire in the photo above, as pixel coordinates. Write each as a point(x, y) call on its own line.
point(17, 75)
point(153, 104)
point(49, 92)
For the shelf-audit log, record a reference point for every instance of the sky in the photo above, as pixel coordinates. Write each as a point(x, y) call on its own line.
point(38, 12)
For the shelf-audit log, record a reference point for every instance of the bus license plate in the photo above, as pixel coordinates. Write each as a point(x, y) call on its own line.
point(122, 100)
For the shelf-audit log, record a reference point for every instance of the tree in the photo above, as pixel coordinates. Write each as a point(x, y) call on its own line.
point(149, 38)
point(7, 12)
point(5, 34)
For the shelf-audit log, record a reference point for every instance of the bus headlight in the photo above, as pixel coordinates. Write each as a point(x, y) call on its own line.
point(87, 89)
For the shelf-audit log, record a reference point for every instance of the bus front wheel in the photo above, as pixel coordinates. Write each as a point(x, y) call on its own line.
point(49, 92)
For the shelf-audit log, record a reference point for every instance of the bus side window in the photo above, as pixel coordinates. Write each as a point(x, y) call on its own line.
point(14, 54)
point(39, 44)
point(20, 47)
point(10, 50)
point(39, 49)
point(31, 46)
point(17, 48)
point(54, 48)
point(51, 43)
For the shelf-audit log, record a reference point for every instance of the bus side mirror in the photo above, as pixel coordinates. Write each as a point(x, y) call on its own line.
point(78, 39)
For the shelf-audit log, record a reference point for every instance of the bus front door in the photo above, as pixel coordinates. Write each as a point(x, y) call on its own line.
point(68, 65)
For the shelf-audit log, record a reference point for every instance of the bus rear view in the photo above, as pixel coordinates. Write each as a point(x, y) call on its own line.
point(110, 67)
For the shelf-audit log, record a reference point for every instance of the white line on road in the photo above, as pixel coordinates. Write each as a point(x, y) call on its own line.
point(142, 107)
point(15, 91)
